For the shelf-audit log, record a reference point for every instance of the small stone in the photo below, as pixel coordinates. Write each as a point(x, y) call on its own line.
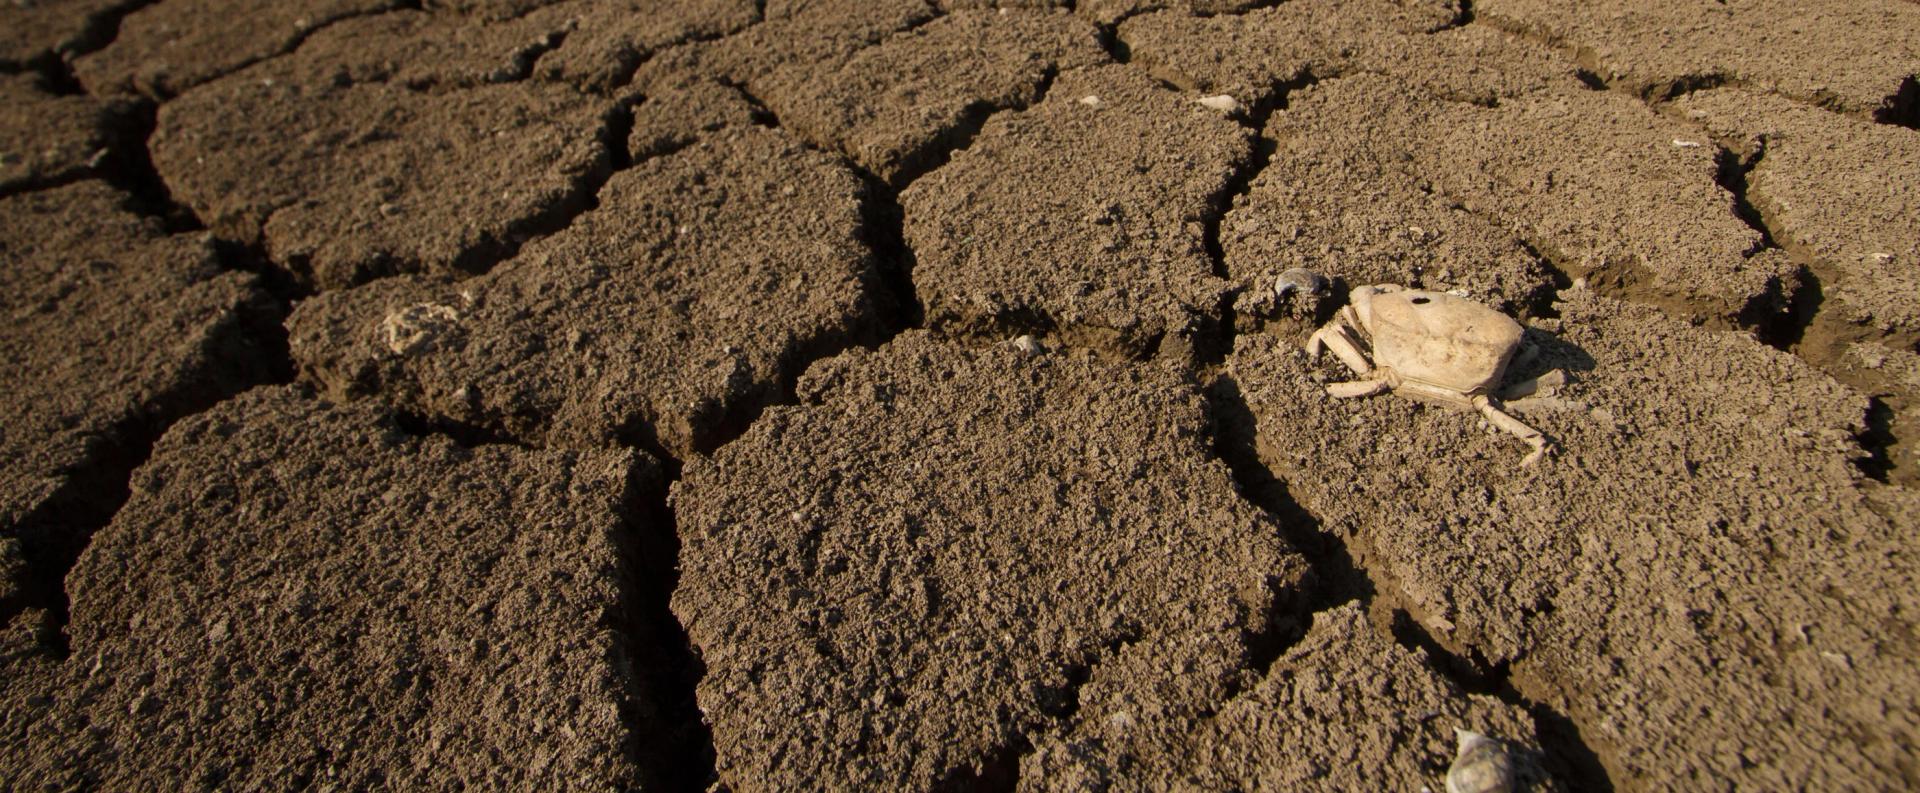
point(1090, 100)
point(1302, 281)
point(1480, 766)
point(1028, 345)
point(1220, 102)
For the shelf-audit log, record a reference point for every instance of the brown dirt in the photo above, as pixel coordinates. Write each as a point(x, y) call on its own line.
point(1821, 182)
point(606, 39)
point(673, 118)
point(1352, 207)
point(336, 158)
point(113, 331)
point(792, 32)
point(609, 394)
point(46, 30)
point(47, 139)
point(702, 283)
point(164, 49)
point(1855, 56)
point(301, 593)
point(1108, 12)
point(1640, 216)
point(903, 580)
point(1081, 215)
point(1256, 56)
point(1311, 721)
point(890, 106)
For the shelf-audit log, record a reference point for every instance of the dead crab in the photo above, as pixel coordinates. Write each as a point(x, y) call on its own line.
point(1434, 347)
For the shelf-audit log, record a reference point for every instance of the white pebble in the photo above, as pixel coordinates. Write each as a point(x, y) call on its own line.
point(1220, 102)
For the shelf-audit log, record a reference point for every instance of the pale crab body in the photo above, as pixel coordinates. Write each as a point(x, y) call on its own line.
point(1433, 347)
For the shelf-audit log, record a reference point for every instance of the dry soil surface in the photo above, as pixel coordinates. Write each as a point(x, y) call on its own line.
point(894, 395)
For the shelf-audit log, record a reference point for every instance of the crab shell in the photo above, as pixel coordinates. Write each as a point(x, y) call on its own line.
point(1436, 339)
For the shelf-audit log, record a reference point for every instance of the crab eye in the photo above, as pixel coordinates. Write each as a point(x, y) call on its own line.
point(1421, 301)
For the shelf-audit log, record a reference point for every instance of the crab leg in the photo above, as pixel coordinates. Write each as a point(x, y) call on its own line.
point(1356, 388)
point(1337, 337)
point(1500, 418)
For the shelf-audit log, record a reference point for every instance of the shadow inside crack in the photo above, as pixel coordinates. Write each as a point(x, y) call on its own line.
point(1333, 578)
point(999, 772)
point(53, 535)
point(1566, 755)
point(672, 742)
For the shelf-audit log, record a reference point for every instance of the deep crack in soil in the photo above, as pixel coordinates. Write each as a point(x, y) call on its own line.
point(54, 535)
point(1334, 577)
point(130, 168)
point(683, 758)
point(1337, 577)
point(557, 216)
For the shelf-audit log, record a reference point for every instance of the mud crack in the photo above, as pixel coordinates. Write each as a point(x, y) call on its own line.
point(100, 30)
point(54, 534)
point(674, 742)
point(1780, 330)
point(131, 169)
point(1803, 330)
point(1333, 578)
point(668, 739)
point(1900, 108)
point(998, 773)
point(883, 225)
point(1337, 576)
point(300, 37)
point(581, 197)
point(1221, 204)
point(1568, 757)
point(584, 197)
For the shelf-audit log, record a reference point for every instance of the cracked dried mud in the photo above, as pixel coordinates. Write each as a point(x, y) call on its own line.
point(892, 395)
